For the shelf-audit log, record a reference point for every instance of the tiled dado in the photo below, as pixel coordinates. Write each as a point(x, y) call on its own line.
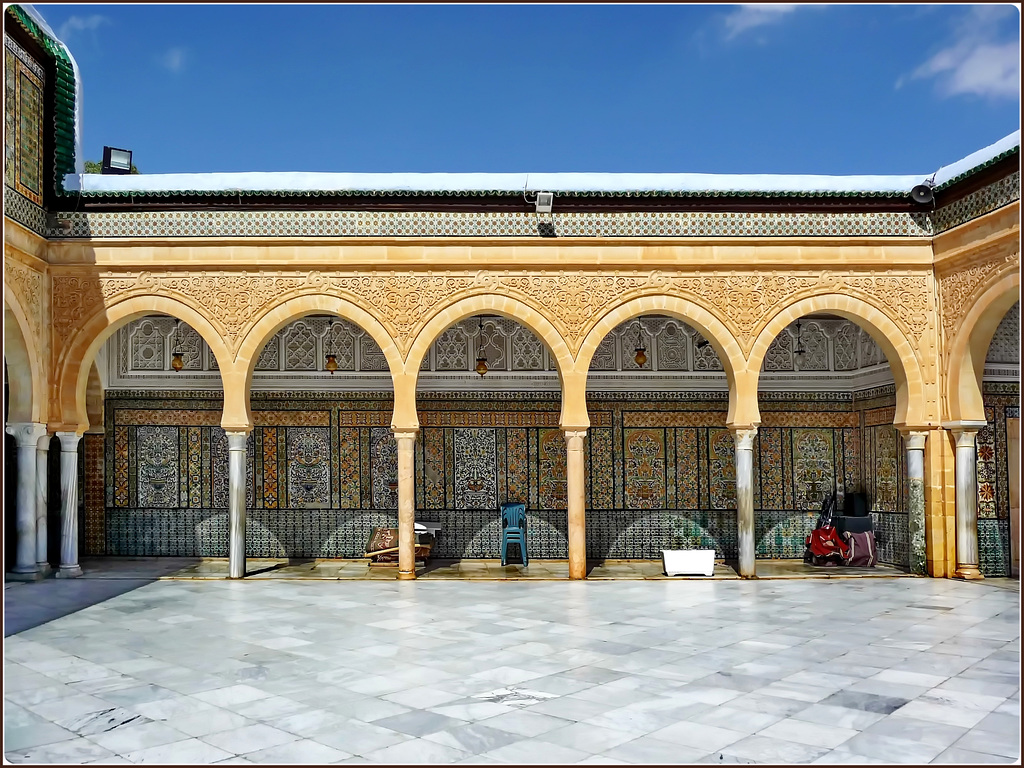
point(327, 223)
point(892, 537)
point(994, 547)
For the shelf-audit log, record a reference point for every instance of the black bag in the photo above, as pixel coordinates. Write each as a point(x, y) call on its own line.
point(846, 524)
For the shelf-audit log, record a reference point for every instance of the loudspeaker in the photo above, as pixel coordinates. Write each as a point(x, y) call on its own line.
point(922, 194)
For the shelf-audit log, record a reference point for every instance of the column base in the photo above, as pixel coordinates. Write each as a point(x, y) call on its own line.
point(968, 572)
point(406, 575)
point(45, 569)
point(29, 576)
point(69, 572)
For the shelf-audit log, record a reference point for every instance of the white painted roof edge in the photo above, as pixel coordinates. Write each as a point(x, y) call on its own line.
point(519, 182)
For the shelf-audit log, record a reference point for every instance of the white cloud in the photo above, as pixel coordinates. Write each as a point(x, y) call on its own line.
point(173, 60)
point(80, 24)
point(975, 62)
point(748, 17)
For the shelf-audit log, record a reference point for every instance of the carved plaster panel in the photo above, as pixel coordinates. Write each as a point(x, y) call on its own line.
point(27, 285)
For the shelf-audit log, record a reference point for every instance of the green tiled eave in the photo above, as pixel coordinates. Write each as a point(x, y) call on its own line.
point(64, 91)
point(977, 168)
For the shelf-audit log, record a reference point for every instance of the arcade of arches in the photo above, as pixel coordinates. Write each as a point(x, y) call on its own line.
point(905, 387)
point(800, 336)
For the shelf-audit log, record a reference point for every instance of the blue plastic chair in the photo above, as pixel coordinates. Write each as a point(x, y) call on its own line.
point(513, 530)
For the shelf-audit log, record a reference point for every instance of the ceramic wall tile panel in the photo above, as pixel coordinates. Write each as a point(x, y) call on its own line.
point(644, 468)
point(475, 469)
point(986, 467)
point(722, 469)
point(552, 492)
point(93, 540)
point(602, 494)
point(770, 450)
point(892, 537)
point(1005, 345)
point(994, 547)
point(348, 467)
point(687, 482)
point(384, 468)
point(813, 467)
point(531, 464)
point(434, 468)
point(158, 471)
point(309, 467)
point(340, 223)
point(782, 535)
point(986, 199)
point(24, 119)
point(883, 462)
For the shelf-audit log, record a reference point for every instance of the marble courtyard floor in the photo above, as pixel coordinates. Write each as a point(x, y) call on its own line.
point(634, 670)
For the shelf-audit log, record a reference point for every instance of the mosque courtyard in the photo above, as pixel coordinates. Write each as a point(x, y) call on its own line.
point(191, 670)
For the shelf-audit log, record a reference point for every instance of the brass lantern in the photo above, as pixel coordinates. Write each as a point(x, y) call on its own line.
point(481, 358)
point(641, 351)
point(177, 362)
point(332, 359)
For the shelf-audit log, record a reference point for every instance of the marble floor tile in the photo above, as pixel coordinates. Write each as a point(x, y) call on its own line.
point(763, 749)
point(188, 752)
point(36, 734)
point(534, 752)
point(648, 750)
point(744, 721)
point(699, 736)
point(304, 751)
point(843, 717)
point(526, 723)
point(416, 751)
point(994, 743)
point(894, 750)
point(474, 738)
point(249, 738)
point(76, 750)
point(133, 737)
point(419, 723)
point(811, 734)
point(591, 738)
point(358, 738)
point(958, 756)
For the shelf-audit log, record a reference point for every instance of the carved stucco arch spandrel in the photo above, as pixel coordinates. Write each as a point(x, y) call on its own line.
point(912, 386)
point(79, 347)
point(574, 411)
point(974, 302)
point(281, 313)
point(692, 313)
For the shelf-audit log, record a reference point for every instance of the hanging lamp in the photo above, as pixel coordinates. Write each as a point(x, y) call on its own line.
point(799, 351)
point(177, 362)
point(332, 359)
point(481, 358)
point(641, 351)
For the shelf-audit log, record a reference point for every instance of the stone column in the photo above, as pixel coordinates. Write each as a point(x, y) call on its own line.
point(575, 488)
point(42, 481)
point(744, 438)
point(69, 567)
point(27, 437)
point(915, 500)
point(236, 504)
point(406, 439)
point(966, 504)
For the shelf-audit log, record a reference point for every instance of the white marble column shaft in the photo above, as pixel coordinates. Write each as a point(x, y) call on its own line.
point(236, 503)
point(42, 483)
point(575, 489)
point(26, 436)
point(406, 440)
point(915, 500)
point(745, 499)
point(966, 505)
point(69, 567)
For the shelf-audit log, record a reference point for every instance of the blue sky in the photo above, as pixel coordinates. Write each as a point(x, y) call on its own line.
point(544, 88)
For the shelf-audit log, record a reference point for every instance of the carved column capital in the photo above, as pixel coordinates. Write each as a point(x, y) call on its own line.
point(26, 434)
point(404, 434)
point(69, 441)
point(237, 440)
point(916, 440)
point(574, 438)
point(744, 437)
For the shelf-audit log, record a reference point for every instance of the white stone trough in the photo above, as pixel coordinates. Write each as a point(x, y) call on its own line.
point(688, 562)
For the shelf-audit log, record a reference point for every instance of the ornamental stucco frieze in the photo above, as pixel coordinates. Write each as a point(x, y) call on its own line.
point(959, 289)
point(572, 301)
point(27, 285)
